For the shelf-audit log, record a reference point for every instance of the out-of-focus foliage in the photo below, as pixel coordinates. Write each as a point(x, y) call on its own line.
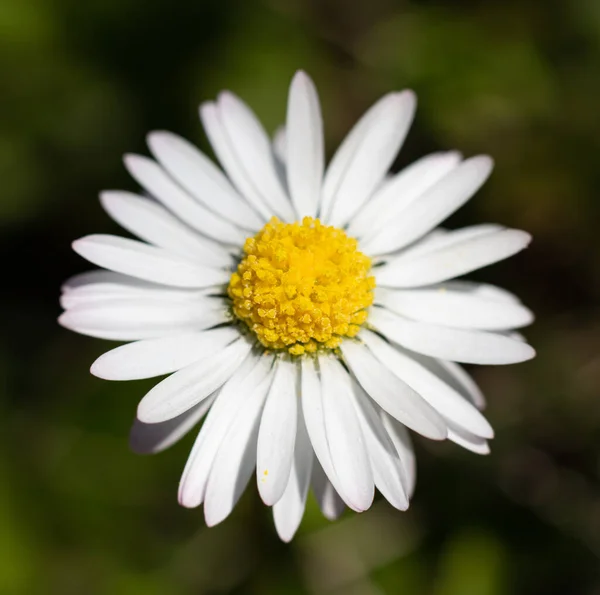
point(82, 82)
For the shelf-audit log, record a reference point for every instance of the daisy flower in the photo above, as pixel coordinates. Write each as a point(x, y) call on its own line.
point(309, 313)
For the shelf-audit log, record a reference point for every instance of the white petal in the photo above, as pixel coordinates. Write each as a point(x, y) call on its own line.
point(452, 261)
point(475, 444)
point(161, 186)
point(442, 397)
point(385, 462)
point(275, 451)
point(202, 179)
point(108, 282)
point(435, 205)
point(456, 376)
point(234, 462)
point(252, 149)
point(392, 394)
point(106, 289)
point(222, 145)
point(305, 153)
point(280, 145)
point(467, 346)
point(442, 305)
point(401, 439)
point(244, 381)
point(189, 386)
point(288, 511)
point(164, 355)
point(134, 258)
point(330, 502)
point(373, 156)
point(347, 446)
point(338, 165)
point(312, 409)
point(440, 238)
point(133, 318)
point(483, 290)
point(153, 438)
point(450, 373)
point(400, 191)
point(154, 224)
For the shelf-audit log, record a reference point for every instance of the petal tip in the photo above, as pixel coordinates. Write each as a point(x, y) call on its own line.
point(79, 245)
point(132, 161)
point(98, 370)
point(187, 500)
point(485, 162)
point(213, 517)
point(407, 97)
point(301, 78)
point(63, 320)
point(147, 414)
point(227, 98)
point(530, 354)
point(156, 139)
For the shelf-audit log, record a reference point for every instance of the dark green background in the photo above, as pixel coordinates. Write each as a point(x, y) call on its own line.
point(82, 82)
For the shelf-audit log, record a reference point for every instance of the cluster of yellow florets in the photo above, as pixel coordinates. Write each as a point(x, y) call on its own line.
point(302, 286)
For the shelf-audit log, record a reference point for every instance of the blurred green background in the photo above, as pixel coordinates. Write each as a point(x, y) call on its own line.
point(82, 82)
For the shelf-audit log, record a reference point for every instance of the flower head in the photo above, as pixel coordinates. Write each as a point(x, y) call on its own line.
point(311, 315)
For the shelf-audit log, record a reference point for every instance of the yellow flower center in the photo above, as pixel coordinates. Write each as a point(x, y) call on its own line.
point(302, 286)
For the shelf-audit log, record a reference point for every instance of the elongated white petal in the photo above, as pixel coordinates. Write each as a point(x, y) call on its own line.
point(244, 381)
point(154, 224)
point(153, 438)
point(347, 446)
point(189, 386)
point(444, 306)
point(305, 153)
point(252, 147)
point(401, 439)
point(450, 373)
point(392, 394)
point(223, 147)
point(312, 409)
point(289, 509)
point(455, 375)
point(280, 145)
point(454, 260)
point(132, 318)
point(105, 280)
point(400, 191)
point(330, 502)
point(338, 165)
point(483, 290)
point(467, 346)
point(373, 156)
point(97, 292)
point(440, 238)
point(275, 451)
point(442, 397)
point(385, 462)
point(153, 178)
point(432, 207)
point(146, 262)
point(234, 462)
point(471, 442)
point(199, 176)
point(352, 159)
point(113, 284)
point(164, 355)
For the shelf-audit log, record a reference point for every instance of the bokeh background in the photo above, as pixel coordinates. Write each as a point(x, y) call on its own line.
point(82, 82)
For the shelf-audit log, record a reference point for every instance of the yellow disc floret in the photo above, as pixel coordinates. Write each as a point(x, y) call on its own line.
point(302, 286)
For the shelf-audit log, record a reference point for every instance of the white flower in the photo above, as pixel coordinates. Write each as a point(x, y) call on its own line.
point(312, 344)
